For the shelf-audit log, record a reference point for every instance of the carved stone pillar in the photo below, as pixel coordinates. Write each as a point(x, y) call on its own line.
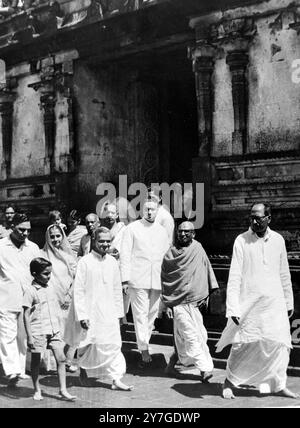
point(56, 85)
point(64, 85)
point(48, 101)
point(6, 111)
point(238, 62)
point(203, 68)
point(203, 56)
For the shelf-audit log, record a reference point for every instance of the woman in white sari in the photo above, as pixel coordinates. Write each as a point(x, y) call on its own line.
point(58, 251)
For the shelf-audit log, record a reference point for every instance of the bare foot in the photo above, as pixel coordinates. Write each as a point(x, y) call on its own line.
point(287, 393)
point(227, 392)
point(38, 396)
point(117, 384)
point(146, 357)
point(64, 395)
point(264, 388)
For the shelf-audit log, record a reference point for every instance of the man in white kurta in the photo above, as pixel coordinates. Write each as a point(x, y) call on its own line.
point(259, 304)
point(98, 307)
point(144, 245)
point(16, 253)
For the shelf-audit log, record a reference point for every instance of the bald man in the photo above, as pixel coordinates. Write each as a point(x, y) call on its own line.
point(187, 280)
point(258, 306)
point(91, 222)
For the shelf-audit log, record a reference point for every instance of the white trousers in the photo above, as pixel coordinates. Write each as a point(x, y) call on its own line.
point(13, 343)
point(22, 342)
point(190, 337)
point(144, 304)
point(259, 362)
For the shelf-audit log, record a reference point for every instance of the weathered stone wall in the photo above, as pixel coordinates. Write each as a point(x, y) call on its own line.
point(116, 128)
point(274, 107)
point(28, 147)
point(253, 150)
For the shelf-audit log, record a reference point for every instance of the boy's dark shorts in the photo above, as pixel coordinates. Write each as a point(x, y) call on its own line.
point(42, 342)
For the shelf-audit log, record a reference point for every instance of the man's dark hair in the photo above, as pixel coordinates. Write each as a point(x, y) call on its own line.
point(267, 207)
point(74, 214)
point(9, 206)
point(20, 218)
point(38, 264)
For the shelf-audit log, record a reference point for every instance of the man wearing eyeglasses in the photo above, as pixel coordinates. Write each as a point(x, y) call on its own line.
point(258, 307)
point(16, 253)
point(187, 280)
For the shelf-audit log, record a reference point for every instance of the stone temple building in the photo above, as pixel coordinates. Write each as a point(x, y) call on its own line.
point(161, 91)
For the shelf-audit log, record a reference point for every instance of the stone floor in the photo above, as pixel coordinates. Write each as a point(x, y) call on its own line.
point(152, 389)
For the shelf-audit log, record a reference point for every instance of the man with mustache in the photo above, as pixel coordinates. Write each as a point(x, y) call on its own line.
point(258, 307)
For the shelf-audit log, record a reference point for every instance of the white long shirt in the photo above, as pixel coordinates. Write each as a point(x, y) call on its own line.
point(143, 247)
point(98, 298)
point(259, 290)
point(14, 272)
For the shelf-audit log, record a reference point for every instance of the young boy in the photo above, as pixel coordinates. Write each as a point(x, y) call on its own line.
point(41, 319)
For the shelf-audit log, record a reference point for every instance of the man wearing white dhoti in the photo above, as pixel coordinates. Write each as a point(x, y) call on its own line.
point(16, 253)
point(187, 280)
point(98, 306)
point(143, 247)
point(259, 304)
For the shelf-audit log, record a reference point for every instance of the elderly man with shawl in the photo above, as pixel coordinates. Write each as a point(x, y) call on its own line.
point(259, 304)
point(187, 280)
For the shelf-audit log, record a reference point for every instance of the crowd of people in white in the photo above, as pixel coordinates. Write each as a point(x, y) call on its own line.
point(72, 296)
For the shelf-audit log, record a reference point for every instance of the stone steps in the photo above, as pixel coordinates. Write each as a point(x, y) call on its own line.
point(220, 359)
